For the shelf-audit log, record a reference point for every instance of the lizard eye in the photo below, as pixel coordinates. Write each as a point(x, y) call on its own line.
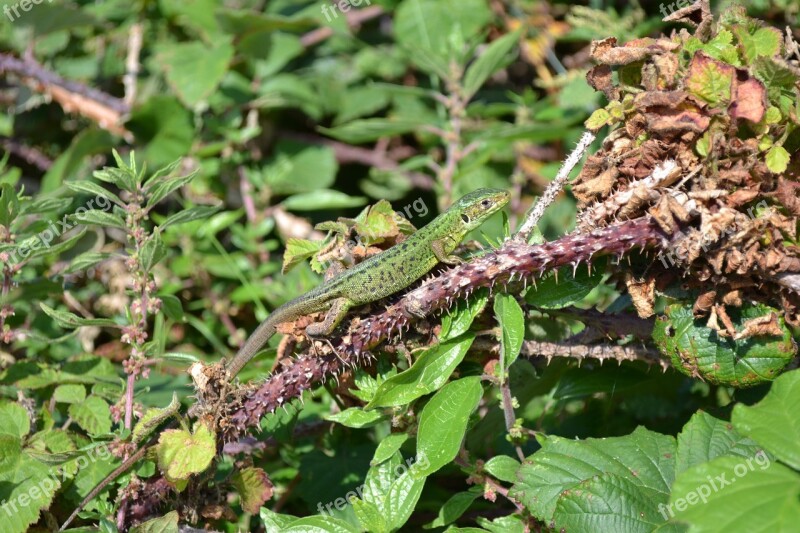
point(465, 218)
point(486, 203)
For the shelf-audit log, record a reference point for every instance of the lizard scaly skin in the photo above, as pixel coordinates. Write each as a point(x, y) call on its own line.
point(381, 275)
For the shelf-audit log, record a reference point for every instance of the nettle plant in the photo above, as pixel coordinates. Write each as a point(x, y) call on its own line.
point(58, 439)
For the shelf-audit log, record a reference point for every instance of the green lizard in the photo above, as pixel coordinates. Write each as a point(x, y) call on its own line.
point(381, 275)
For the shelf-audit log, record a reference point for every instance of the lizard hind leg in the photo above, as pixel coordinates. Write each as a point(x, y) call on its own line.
point(333, 318)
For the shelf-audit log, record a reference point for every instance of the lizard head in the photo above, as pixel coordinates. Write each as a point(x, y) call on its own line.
point(479, 205)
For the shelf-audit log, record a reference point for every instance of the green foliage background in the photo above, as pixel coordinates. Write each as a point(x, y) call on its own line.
point(267, 118)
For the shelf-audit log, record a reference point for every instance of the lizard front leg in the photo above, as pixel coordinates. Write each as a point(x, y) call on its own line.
point(336, 313)
point(439, 251)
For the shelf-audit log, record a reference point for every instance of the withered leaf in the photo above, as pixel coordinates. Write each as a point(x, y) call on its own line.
point(761, 326)
point(750, 102)
point(643, 294)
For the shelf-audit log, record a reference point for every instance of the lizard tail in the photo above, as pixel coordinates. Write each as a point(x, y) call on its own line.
point(254, 343)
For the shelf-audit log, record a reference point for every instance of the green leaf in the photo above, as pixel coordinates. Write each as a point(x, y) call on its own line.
point(320, 524)
point(709, 79)
point(68, 320)
point(704, 438)
point(730, 493)
point(152, 251)
point(433, 24)
point(92, 415)
point(153, 417)
point(512, 325)
point(27, 486)
point(55, 249)
point(598, 119)
point(563, 466)
point(459, 319)
point(9, 204)
point(697, 350)
point(181, 454)
point(157, 190)
point(773, 422)
point(371, 129)
point(777, 159)
point(355, 417)
point(92, 188)
point(172, 307)
point(494, 58)
point(503, 468)
point(322, 199)
point(193, 69)
point(274, 521)
point(565, 289)
point(443, 423)
point(403, 497)
point(763, 42)
point(387, 447)
point(430, 371)
point(297, 251)
point(86, 261)
point(453, 508)
point(199, 212)
point(300, 168)
point(163, 524)
point(370, 516)
point(14, 420)
point(165, 127)
point(254, 488)
point(69, 393)
point(98, 218)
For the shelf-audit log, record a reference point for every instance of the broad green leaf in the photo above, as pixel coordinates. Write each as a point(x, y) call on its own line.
point(709, 79)
point(163, 524)
point(610, 503)
point(773, 422)
point(9, 204)
point(193, 69)
point(699, 351)
point(565, 289)
point(92, 414)
point(370, 516)
point(320, 524)
point(443, 423)
point(254, 488)
point(454, 508)
point(433, 25)
point(181, 454)
point(27, 486)
point(737, 494)
point(322, 199)
point(561, 466)
point(777, 159)
point(403, 497)
point(69, 393)
point(494, 58)
point(46, 237)
point(460, 318)
point(165, 127)
point(430, 371)
point(387, 447)
point(299, 168)
point(274, 521)
point(503, 468)
point(153, 417)
point(297, 251)
point(14, 420)
point(704, 438)
point(152, 251)
point(598, 119)
point(355, 417)
point(512, 326)
point(763, 42)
